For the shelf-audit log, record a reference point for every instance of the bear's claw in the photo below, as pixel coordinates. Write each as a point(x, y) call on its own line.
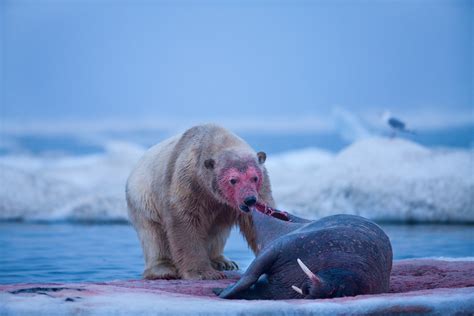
point(222, 264)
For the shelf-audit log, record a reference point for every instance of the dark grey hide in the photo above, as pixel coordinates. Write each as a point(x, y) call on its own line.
point(340, 255)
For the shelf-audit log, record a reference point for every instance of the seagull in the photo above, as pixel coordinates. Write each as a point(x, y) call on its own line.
point(395, 124)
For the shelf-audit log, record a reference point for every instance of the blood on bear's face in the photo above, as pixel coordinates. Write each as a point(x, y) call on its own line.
point(241, 187)
point(237, 181)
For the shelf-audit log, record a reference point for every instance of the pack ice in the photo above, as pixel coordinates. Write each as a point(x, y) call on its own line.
point(379, 178)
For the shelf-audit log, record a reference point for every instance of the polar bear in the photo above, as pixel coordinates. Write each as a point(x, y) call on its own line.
point(186, 193)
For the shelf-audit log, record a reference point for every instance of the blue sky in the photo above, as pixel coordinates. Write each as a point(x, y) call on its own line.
point(132, 59)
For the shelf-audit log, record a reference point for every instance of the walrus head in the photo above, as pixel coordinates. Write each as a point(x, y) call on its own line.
point(327, 283)
point(238, 178)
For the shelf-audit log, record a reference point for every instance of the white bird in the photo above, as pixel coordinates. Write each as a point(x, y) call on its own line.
point(395, 124)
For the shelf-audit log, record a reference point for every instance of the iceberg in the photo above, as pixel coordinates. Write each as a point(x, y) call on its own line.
point(386, 180)
point(87, 188)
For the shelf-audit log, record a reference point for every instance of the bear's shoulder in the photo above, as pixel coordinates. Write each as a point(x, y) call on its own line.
point(209, 137)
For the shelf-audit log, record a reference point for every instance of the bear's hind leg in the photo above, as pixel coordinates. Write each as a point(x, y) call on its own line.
point(163, 269)
point(158, 263)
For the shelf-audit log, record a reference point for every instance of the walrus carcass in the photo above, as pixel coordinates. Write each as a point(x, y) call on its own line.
point(340, 255)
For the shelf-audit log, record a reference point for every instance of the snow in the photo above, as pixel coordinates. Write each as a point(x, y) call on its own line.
point(379, 178)
point(85, 188)
point(118, 302)
point(415, 293)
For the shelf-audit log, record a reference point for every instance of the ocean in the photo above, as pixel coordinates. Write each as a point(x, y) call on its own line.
point(63, 215)
point(65, 252)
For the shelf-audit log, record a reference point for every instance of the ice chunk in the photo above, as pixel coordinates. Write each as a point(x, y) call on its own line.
point(79, 188)
point(379, 178)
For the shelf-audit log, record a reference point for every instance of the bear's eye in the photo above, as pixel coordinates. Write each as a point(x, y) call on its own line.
point(255, 179)
point(233, 181)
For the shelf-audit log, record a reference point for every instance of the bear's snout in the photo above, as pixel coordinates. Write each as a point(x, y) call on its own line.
point(250, 200)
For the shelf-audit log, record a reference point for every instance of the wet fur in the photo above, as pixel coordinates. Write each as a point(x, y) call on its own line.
point(175, 204)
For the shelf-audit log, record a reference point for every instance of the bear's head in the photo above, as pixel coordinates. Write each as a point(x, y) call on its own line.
point(237, 178)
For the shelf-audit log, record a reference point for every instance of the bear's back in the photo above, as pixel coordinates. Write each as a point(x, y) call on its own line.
point(150, 171)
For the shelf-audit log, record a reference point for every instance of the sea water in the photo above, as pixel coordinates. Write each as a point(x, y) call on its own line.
point(63, 213)
point(84, 252)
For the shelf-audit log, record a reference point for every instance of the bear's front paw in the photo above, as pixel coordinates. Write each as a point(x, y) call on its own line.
point(222, 263)
point(162, 270)
point(208, 274)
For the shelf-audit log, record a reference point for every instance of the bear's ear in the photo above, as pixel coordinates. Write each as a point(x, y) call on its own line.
point(209, 163)
point(261, 157)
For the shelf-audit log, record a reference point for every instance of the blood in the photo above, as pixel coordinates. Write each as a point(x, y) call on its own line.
point(270, 211)
point(409, 278)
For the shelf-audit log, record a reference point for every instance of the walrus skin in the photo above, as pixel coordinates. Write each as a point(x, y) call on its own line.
point(349, 255)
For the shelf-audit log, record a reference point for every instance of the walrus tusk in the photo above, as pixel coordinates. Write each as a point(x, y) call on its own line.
point(308, 272)
point(297, 289)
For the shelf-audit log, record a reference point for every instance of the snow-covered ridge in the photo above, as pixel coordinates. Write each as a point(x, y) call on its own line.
point(382, 179)
point(80, 188)
point(379, 178)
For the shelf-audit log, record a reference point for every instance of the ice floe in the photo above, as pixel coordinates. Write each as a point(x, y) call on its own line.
point(380, 178)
